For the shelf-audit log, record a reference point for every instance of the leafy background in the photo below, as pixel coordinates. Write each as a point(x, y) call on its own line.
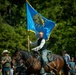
point(13, 27)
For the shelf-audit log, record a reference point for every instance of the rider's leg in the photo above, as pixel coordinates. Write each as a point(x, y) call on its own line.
point(44, 60)
point(44, 57)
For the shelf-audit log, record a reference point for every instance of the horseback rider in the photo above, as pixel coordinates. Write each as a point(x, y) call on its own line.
point(41, 47)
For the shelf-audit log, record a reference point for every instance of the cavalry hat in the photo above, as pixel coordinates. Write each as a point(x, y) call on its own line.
point(5, 51)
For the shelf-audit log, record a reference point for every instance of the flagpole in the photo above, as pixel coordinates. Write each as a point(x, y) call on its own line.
point(28, 44)
point(28, 37)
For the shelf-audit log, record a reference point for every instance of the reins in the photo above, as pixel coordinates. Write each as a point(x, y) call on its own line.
point(32, 61)
point(51, 66)
point(27, 61)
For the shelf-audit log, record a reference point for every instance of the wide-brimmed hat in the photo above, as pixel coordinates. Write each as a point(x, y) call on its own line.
point(5, 51)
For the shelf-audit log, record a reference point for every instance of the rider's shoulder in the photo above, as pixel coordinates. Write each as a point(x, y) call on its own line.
point(43, 40)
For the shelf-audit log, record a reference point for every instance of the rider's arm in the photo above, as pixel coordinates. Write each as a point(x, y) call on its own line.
point(40, 46)
point(33, 43)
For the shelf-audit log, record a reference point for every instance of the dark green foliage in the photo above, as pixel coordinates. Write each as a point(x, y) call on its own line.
point(11, 37)
point(13, 28)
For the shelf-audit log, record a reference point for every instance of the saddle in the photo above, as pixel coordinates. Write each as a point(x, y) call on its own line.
point(38, 56)
point(50, 57)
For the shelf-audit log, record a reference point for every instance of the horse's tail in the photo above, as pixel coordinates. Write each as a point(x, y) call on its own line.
point(65, 68)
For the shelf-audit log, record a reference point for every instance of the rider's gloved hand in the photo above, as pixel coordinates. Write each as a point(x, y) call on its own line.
point(30, 42)
point(34, 49)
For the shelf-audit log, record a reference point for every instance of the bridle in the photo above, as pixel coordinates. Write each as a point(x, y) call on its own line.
point(27, 63)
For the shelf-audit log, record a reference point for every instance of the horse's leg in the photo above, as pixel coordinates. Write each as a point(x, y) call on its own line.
point(35, 74)
point(28, 72)
point(38, 74)
point(57, 72)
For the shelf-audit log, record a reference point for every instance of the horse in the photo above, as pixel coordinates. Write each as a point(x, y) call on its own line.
point(33, 65)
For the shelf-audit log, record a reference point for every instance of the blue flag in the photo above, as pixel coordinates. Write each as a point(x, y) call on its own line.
point(37, 23)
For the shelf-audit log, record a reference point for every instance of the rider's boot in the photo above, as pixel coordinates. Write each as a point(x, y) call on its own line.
point(43, 74)
point(42, 69)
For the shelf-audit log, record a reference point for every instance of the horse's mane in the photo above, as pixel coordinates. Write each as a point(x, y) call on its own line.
point(25, 54)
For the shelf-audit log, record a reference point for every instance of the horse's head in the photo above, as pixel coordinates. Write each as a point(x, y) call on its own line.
point(21, 55)
point(16, 57)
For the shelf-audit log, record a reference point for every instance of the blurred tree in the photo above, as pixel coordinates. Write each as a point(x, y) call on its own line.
point(11, 38)
point(13, 12)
